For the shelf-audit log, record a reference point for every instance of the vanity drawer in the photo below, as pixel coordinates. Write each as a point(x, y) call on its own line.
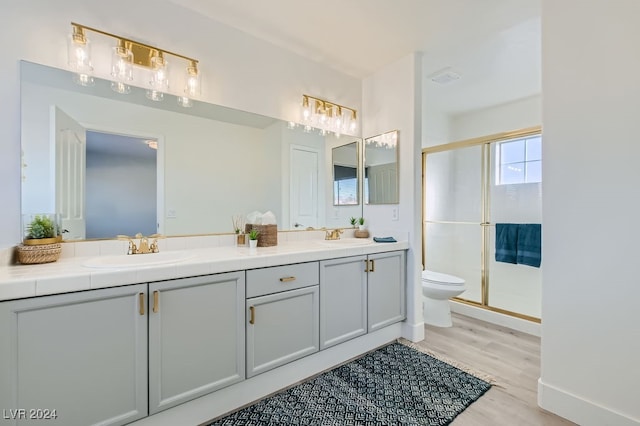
point(281, 278)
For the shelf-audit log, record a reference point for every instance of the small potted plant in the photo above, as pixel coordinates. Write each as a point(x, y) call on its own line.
point(253, 238)
point(353, 221)
point(361, 225)
point(41, 243)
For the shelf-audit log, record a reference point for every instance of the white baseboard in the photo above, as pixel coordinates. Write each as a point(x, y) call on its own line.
point(513, 323)
point(413, 332)
point(579, 410)
point(215, 404)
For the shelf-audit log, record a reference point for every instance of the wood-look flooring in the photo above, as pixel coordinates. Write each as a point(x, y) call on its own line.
point(512, 358)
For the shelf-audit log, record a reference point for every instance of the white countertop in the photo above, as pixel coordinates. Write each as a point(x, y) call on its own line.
point(70, 274)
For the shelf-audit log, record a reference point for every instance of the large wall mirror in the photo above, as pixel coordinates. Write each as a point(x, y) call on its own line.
point(121, 164)
point(346, 182)
point(381, 169)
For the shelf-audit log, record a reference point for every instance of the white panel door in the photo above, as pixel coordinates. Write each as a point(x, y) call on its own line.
point(83, 355)
point(304, 187)
point(196, 337)
point(70, 140)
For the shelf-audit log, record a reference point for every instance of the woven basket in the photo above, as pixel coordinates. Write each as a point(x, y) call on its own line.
point(268, 234)
point(361, 234)
point(44, 253)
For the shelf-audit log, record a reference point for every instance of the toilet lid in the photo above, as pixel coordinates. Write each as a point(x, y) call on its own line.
point(439, 277)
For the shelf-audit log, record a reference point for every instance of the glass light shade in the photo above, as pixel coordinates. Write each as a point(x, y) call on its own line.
point(79, 59)
point(192, 82)
point(159, 79)
point(291, 125)
point(185, 101)
point(122, 64)
point(79, 54)
point(306, 109)
point(353, 124)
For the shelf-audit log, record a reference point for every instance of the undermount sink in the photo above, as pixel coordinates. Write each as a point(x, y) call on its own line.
point(136, 260)
point(346, 242)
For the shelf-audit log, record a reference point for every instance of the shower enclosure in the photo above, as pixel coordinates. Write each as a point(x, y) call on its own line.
point(468, 187)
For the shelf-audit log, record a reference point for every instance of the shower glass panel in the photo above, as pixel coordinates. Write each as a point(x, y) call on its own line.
point(452, 248)
point(453, 213)
point(515, 288)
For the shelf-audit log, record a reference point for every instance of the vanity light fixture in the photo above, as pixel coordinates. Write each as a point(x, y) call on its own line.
point(327, 116)
point(126, 54)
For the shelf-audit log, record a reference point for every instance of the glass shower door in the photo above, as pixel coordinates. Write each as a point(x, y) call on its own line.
point(453, 216)
point(515, 194)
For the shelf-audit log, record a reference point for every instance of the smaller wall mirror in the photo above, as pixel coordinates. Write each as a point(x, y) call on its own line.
point(381, 168)
point(346, 182)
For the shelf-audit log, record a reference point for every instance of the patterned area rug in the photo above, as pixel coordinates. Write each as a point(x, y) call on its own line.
point(394, 385)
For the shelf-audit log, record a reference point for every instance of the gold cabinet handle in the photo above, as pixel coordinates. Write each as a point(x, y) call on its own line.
point(252, 315)
point(287, 279)
point(366, 265)
point(156, 302)
point(373, 266)
point(141, 303)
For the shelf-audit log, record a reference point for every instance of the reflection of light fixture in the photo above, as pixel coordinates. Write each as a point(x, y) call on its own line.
point(126, 54)
point(151, 143)
point(387, 140)
point(327, 116)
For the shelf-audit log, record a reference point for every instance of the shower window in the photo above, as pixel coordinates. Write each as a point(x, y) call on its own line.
point(519, 161)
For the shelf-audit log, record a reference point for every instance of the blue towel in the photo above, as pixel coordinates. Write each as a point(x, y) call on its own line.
point(529, 248)
point(384, 240)
point(506, 242)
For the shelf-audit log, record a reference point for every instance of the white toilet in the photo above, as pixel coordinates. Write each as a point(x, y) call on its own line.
point(437, 289)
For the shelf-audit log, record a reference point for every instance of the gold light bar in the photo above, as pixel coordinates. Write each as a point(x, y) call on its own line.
point(142, 53)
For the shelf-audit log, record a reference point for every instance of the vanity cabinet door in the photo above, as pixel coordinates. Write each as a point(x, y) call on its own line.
point(281, 328)
point(386, 290)
point(343, 300)
point(196, 337)
point(83, 355)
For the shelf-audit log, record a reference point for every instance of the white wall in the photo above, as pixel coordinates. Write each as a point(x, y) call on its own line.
point(519, 114)
point(392, 101)
point(238, 70)
point(591, 205)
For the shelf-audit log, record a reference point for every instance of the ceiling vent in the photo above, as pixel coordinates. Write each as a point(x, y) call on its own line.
point(444, 76)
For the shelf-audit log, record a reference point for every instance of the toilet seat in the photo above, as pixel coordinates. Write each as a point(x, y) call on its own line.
point(440, 278)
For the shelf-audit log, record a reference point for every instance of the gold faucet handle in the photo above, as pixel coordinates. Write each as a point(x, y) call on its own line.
point(133, 249)
point(153, 247)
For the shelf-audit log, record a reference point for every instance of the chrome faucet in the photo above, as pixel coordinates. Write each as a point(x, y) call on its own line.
point(333, 234)
point(143, 247)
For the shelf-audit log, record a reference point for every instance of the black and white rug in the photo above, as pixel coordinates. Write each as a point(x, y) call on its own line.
point(394, 385)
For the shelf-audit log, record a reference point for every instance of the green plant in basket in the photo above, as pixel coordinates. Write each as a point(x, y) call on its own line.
point(41, 227)
point(361, 221)
point(253, 234)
